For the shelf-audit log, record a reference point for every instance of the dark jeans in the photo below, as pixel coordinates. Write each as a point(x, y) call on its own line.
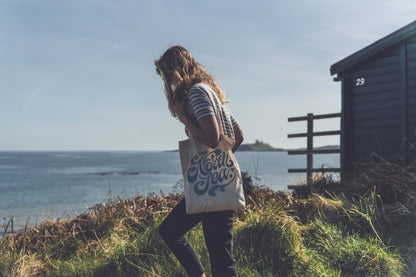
point(218, 232)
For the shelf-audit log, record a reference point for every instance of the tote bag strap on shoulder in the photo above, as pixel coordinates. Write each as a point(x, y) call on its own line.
point(210, 93)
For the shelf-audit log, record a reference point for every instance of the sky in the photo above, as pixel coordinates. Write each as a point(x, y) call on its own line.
point(79, 74)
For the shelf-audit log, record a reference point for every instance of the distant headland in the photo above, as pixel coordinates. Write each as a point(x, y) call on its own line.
point(259, 145)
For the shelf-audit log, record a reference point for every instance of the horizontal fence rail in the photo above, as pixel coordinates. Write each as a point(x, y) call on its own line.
point(301, 170)
point(326, 133)
point(309, 151)
point(321, 116)
point(317, 151)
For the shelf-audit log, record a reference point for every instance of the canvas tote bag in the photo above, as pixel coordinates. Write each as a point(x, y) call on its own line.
point(212, 177)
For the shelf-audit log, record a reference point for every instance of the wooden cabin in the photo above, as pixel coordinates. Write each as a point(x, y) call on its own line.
point(378, 86)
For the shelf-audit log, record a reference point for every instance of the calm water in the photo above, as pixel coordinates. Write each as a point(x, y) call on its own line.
point(39, 185)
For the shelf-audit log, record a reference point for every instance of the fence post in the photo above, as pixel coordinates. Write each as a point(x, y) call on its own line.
point(309, 149)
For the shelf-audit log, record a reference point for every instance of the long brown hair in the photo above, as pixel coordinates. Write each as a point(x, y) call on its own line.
point(180, 71)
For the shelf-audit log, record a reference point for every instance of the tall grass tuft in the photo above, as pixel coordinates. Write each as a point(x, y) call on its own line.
point(269, 243)
point(351, 254)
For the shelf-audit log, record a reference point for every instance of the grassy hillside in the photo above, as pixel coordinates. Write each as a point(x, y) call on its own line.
point(335, 229)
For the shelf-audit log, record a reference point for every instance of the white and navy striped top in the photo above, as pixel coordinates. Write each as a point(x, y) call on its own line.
point(200, 106)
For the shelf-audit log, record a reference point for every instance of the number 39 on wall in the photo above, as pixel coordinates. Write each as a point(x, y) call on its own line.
point(359, 82)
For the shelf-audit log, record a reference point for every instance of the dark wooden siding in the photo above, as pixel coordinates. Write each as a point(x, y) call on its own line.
point(379, 99)
point(376, 106)
point(411, 96)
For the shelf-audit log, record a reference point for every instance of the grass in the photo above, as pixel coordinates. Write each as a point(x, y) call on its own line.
point(330, 229)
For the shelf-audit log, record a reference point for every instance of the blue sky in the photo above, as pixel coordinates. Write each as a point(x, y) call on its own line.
point(79, 75)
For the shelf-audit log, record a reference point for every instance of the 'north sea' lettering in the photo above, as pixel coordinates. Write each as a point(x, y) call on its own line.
point(211, 172)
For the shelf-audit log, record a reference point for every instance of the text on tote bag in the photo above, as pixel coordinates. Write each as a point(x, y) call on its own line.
point(215, 168)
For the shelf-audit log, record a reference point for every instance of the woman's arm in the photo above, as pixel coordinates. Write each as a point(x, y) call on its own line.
point(239, 137)
point(206, 130)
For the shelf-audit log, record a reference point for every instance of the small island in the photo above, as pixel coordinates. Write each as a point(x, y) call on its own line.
point(258, 146)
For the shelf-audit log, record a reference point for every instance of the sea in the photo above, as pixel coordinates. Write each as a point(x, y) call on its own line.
point(37, 186)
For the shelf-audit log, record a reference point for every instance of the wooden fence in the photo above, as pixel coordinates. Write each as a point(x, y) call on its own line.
point(309, 147)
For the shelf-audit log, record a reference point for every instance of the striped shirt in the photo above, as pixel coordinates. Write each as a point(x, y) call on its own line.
point(200, 106)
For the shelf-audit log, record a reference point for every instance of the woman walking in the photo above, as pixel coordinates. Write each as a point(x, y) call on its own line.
point(189, 89)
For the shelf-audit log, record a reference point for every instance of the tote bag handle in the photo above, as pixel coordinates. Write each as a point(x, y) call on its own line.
point(210, 92)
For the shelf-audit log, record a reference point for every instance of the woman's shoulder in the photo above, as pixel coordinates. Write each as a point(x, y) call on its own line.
point(200, 90)
point(200, 87)
point(203, 92)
